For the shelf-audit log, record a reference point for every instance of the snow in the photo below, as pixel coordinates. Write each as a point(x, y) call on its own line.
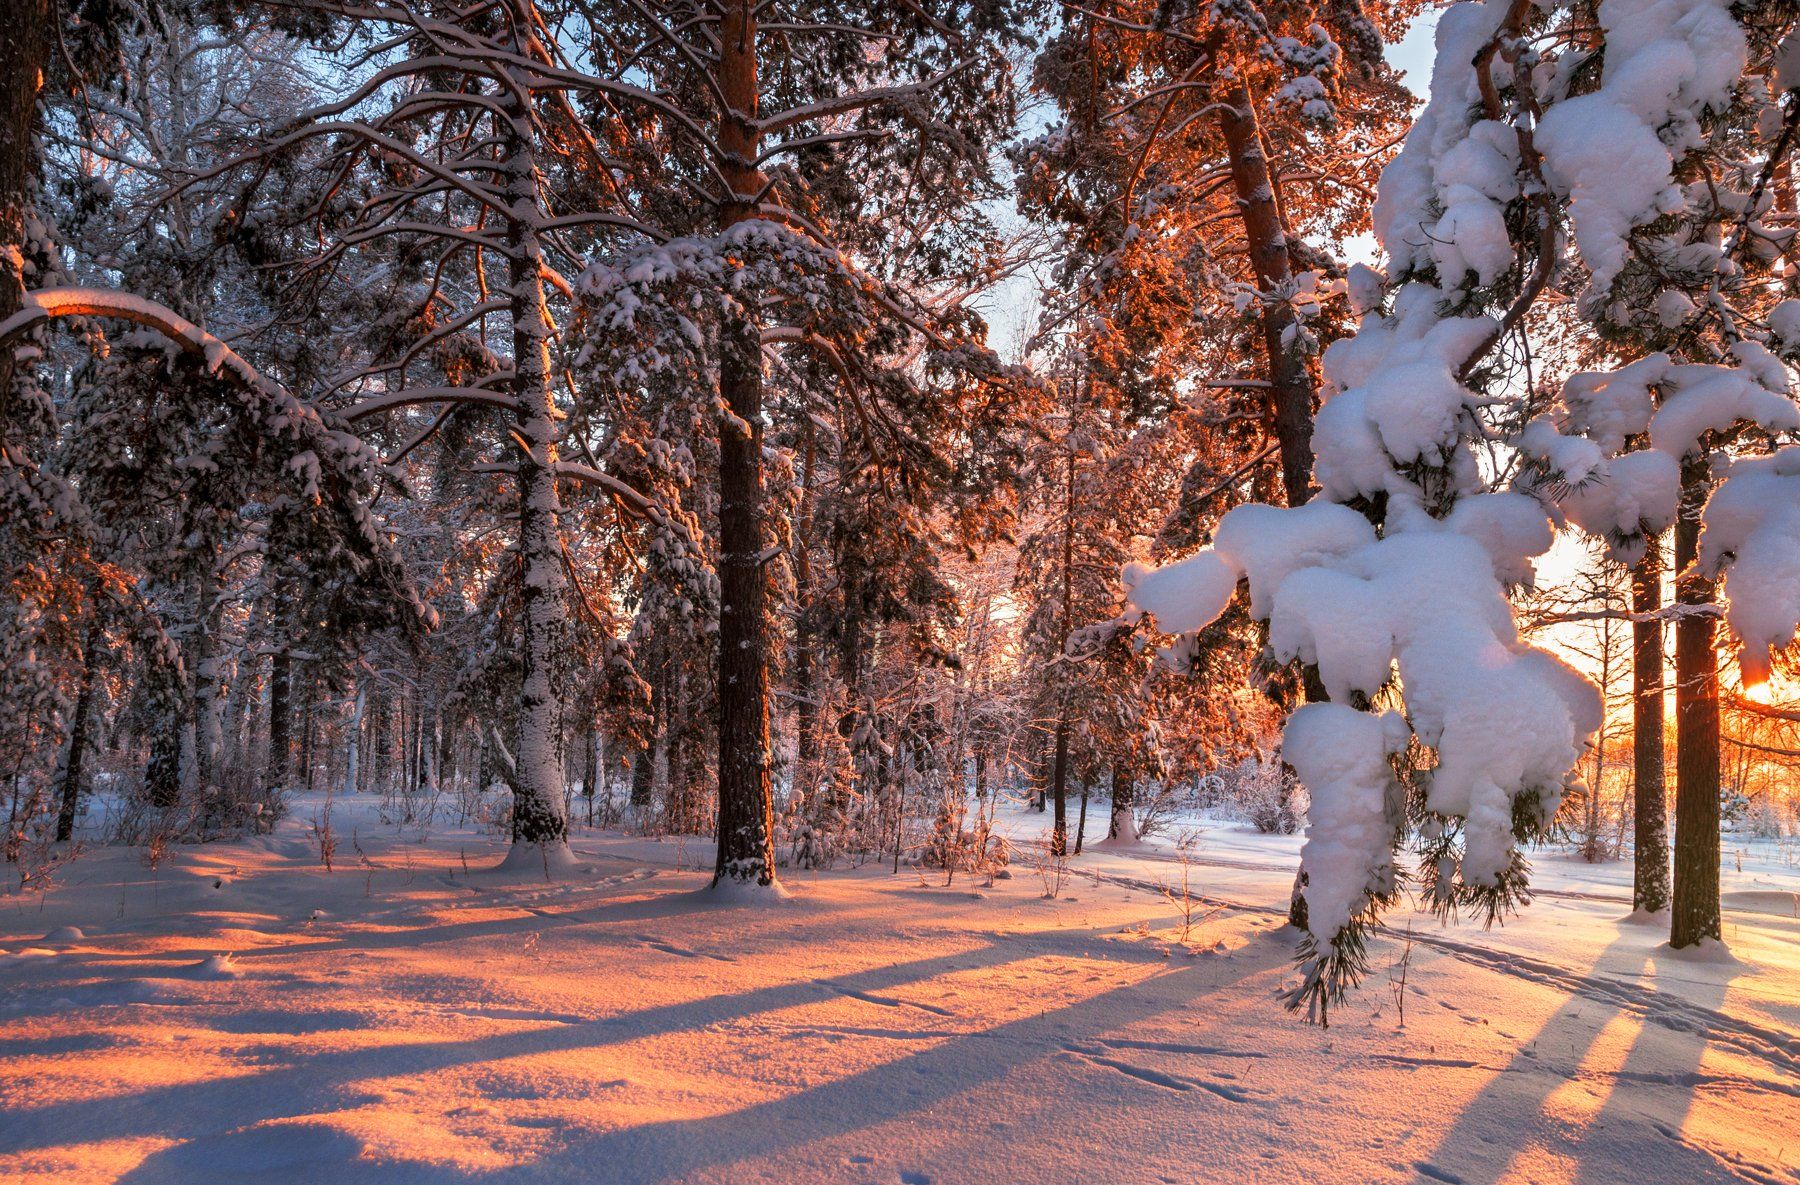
point(1713, 398)
point(612, 1026)
point(1751, 533)
point(1266, 543)
point(1632, 495)
point(1184, 595)
point(1425, 603)
point(1612, 153)
point(1341, 755)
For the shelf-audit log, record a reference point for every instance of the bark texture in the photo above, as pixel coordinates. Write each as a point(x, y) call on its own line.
point(1695, 905)
point(746, 800)
point(1650, 874)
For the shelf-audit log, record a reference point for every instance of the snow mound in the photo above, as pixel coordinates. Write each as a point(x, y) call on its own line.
point(214, 967)
point(726, 891)
point(1780, 902)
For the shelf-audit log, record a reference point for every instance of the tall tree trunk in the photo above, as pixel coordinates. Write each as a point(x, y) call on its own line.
point(353, 747)
point(590, 771)
point(806, 691)
point(309, 724)
point(1059, 792)
point(1290, 383)
point(1291, 386)
point(538, 816)
point(69, 781)
point(24, 52)
point(1650, 875)
point(279, 766)
point(209, 734)
point(746, 801)
point(1695, 913)
point(1059, 773)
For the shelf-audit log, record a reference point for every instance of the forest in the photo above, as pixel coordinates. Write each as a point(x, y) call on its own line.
point(900, 590)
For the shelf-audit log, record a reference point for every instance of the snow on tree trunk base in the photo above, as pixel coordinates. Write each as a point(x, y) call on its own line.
point(543, 860)
point(727, 890)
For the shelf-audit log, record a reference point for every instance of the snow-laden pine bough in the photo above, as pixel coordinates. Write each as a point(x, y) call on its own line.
point(1442, 723)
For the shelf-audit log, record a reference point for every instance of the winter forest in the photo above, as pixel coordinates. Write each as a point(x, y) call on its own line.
point(905, 591)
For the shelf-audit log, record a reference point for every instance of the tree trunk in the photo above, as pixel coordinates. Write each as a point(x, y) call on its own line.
point(1081, 819)
point(162, 774)
point(806, 691)
point(590, 770)
point(353, 749)
point(1290, 382)
point(1123, 826)
point(209, 736)
point(281, 717)
point(69, 783)
point(643, 773)
point(1059, 792)
point(309, 725)
point(1695, 914)
point(24, 52)
point(538, 816)
point(1650, 876)
point(746, 834)
point(1059, 773)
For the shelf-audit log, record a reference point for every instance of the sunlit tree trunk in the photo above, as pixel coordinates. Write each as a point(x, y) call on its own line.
point(1059, 771)
point(746, 852)
point(1290, 383)
point(1291, 386)
point(1650, 878)
point(1695, 905)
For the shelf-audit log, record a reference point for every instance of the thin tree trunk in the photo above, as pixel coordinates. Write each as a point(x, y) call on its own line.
point(746, 833)
point(1059, 774)
point(1059, 792)
point(1081, 821)
point(806, 691)
point(1650, 874)
point(1695, 913)
point(209, 737)
point(309, 725)
point(590, 771)
point(353, 749)
point(281, 717)
point(69, 787)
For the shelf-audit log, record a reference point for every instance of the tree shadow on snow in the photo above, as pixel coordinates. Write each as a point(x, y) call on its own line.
point(1510, 1114)
point(266, 1126)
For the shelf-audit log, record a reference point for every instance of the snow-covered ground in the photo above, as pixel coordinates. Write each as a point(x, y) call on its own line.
point(240, 1014)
